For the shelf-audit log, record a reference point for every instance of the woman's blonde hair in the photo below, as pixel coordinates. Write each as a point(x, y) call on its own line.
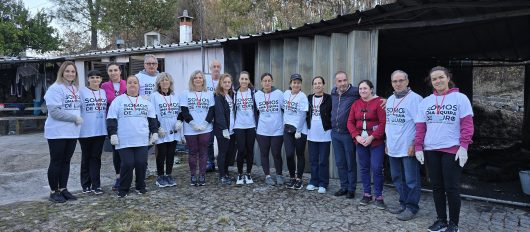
point(60, 78)
point(219, 89)
point(191, 87)
point(162, 76)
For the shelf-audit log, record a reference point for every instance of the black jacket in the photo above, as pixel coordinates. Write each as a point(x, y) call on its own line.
point(222, 113)
point(325, 111)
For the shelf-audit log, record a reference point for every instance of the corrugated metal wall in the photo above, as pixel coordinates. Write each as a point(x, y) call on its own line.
point(321, 55)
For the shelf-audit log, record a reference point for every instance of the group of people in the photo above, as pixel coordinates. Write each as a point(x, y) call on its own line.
point(144, 110)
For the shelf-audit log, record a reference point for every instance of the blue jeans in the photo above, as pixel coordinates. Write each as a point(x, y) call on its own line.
point(344, 152)
point(319, 159)
point(405, 173)
point(371, 159)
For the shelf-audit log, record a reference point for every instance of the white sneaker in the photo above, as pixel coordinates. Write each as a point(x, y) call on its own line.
point(240, 180)
point(310, 187)
point(248, 179)
point(321, 190)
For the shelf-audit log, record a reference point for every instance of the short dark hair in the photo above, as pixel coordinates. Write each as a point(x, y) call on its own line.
point(367, 82)
point(266, 74)
point(318, 77)
point(94, 72)
point(447, 73)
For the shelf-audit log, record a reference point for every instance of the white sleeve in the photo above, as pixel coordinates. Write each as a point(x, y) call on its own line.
point(420, 112)
point(465, 106)
point(184, 98)
point(150, 110)
point(114, 108)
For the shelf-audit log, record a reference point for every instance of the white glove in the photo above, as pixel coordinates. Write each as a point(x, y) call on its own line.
point(461, 156)
point(226, 134)
point(114, 140)
point(194, 125)
point(161, 132)
point(153, 139)
point(297, 135)
point(78, 121)
point(203, 125)
point(419, 157)
point(178, 125)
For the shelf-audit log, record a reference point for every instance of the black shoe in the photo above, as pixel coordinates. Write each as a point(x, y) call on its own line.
point(380, 204)
point(341, 192)
point(122, 194)
point(67, 195)
point(452, 227)
point(366, 200)
point(225, 180)
point(299, 184)
point(57, 197)
point(86, 190)
point(202, 180)
point(141, 191)
point(291, 183)
point(438, 225)
point(350, 195)
point(98, 191)
point(396, 209)
point(210, 167)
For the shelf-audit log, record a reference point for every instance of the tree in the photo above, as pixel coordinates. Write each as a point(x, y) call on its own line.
point(85, 13)
point(20, 31)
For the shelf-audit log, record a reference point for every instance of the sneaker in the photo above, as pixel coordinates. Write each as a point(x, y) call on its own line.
point(161, 182)
point(202, 180)
point(248, 179)
point(366, 200)
point(396, 209)
point(67, 195)
point(350, 195)
point(380, 203)
point(299, 184)
point(122, 194)
point(321, 190)
point(452, 228)
point(280, 181)
point(310, 187)
point(98, 191)
point(240, 180)
point(141, 191)
point(225, 180)
point(269, 181)
point(170, 181)
point(57, 197)
point(438, 226)
point(116, 185)
point(406, 215)
point(193, 181)
point(291, 183)
point(341, 192)
point(86, 190)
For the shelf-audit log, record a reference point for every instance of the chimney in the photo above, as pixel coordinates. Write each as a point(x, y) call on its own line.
point(185, 27)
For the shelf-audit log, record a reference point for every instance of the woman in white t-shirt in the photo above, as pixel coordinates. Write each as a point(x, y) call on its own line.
point(167, 109)
point(197, 106)
point(93, 132)
point(444, 128)
point(319, 135)
point(295, 129)
point(113, 88)
point(269, 133)
point(245, 127)
point(61, 129)
point(224, 126)
point(132, 126)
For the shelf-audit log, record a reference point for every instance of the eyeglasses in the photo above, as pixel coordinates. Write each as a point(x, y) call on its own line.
point(398, 81)
point(152, 64)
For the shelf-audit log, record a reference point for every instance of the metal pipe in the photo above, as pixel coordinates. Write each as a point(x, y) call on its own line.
point(486, 199)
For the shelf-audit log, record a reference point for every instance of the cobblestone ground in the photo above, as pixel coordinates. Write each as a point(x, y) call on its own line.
point(248, 208)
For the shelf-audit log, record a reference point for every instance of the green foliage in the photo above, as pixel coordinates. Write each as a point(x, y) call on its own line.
point(20, 31)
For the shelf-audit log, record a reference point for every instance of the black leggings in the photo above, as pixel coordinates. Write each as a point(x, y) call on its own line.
point(245, 148)
point(133, 158)
point(444, 173)
point(270, 144)
point(116, 161)
point(166, 153)
point(292, 146)
point(225, 153)
point(61, 151)
point(91, 149)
